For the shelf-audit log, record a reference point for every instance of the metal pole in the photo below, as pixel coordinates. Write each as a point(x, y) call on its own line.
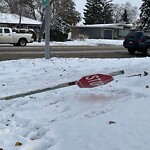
point(47, 31)
point(20, 14)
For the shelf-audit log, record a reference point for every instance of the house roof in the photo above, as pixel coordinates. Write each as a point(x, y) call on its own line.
point(115, 25)
point(14, 19)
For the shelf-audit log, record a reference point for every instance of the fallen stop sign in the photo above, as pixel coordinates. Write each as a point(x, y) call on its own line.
point(92, 81)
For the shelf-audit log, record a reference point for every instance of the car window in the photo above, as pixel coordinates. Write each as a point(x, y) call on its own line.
point(135, 35)
point(6, 31)
point(147, 35)
point(139, 35)
point(0, 30)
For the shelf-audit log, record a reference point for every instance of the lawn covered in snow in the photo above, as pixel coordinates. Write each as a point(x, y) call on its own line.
point(84, 42)
point(114, 116)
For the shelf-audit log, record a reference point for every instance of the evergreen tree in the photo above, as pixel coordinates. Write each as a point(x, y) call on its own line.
point(145, 15)
point(92, 12)
point(125, 17)
point(63, 16)
point(68, 13)
point(98, 12)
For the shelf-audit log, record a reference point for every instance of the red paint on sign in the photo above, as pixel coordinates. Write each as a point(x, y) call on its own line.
point(94, 80)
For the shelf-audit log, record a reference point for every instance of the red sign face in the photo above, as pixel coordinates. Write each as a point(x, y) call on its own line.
point(94, 80)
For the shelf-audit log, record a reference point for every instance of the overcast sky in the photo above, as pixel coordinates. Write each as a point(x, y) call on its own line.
point(81, 3)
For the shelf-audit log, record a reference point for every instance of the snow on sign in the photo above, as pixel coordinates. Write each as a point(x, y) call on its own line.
point(94, 80)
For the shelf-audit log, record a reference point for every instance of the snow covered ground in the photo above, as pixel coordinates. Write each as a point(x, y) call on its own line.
point(114, 116)
point(84, 42)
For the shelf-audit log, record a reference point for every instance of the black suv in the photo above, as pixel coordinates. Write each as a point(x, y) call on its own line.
point(138, 41)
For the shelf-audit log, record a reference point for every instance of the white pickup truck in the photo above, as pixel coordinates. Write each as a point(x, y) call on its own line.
point(7, 36)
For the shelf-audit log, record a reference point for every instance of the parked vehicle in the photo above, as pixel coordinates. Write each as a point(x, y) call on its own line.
point(7, 36)
point(31, 31)
point(138, 41)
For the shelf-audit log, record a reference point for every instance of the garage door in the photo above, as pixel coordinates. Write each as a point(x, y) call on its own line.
point(108, 34)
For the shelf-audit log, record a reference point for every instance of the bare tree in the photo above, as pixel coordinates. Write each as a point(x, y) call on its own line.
point(26, 7)
point(3, 7)
point(132, 12)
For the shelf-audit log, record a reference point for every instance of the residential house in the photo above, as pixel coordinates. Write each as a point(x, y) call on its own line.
point(12, 21)
point(101, 31)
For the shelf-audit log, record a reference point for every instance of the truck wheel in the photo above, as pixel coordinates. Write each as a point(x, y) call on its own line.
point(147, 51)
point(131, 51)
point(22, 42)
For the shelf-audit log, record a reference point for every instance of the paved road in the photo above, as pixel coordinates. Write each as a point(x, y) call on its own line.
point(103, 51)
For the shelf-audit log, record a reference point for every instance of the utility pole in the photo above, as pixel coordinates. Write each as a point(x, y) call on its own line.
point(47, 28)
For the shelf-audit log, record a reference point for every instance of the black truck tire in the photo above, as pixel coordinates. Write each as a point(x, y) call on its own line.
point(22, 42)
